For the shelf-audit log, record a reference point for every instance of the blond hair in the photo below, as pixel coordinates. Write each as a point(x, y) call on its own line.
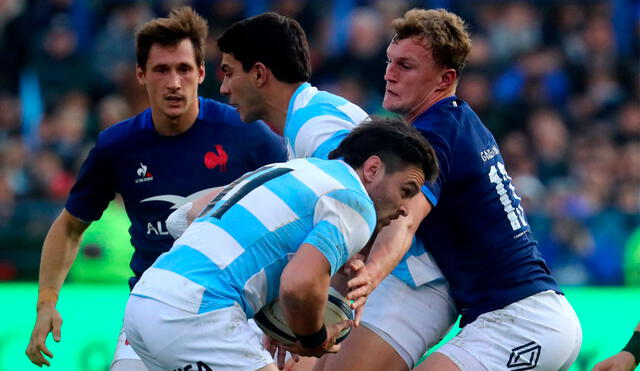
point(443, 32)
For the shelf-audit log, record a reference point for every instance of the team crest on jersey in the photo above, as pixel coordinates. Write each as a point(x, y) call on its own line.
point(144, 175)
point(217, 158)
point(524, 357)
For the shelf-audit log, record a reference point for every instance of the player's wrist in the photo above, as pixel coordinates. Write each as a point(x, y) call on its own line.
point(633, 347)
point(316, 339)
point(46, 297)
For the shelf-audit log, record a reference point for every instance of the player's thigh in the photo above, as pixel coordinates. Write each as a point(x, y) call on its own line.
point(128, 365)
point(363, 350)
point(410, 320)
point(125, 358)
point(218, 340)
point(540, 332)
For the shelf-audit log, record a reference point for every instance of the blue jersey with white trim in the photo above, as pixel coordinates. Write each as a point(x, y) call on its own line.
point(477, 231)
point(317, 121)
point(156, 174)
point(236, 250)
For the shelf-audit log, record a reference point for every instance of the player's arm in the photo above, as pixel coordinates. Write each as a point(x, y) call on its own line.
point(303, 295)
point(58, 254)
point(179, 220)
point(390, 245)
point(625, 360)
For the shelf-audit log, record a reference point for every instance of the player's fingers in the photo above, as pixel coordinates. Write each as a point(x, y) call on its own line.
point(358, 316)
point(334, 349)
point(342, 325)
point(358, 293)
point(56, 331)
point(356, 264)
point(281, 356)
point(45, 350)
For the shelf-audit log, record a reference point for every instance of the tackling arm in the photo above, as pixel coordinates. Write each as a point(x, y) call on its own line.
point(393, 241)
point(180, 219)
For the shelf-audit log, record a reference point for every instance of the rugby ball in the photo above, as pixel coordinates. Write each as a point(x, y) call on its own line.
point(271, 319)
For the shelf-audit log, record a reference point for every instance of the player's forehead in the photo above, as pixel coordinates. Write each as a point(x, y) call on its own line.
point(172, 54)
point(410, 49)
point(410, 176)
point(229, 62)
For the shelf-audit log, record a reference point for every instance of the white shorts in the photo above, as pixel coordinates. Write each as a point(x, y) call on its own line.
point(168, 338)
point(540, 332)
point(126, 355)
point(411, 320)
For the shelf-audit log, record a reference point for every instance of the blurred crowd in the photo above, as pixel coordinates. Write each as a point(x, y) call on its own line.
point(557, 82)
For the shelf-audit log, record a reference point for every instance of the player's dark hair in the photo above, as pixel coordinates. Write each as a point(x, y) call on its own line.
point(443, 32)
point(272, 39)
point(397, 143)
point(182, 23)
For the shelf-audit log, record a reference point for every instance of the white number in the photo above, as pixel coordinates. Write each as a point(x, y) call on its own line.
point(499, 176)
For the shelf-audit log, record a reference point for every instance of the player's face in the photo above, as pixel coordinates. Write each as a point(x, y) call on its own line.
point(412, 76)
point(239, 86)
point(171, 77)
point(391, 193)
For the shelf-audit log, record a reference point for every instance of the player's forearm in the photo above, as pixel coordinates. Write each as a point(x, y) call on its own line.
point(304, 302)
point(394, 240)
point(58, 254)
point(304, 284)
point(391, 244)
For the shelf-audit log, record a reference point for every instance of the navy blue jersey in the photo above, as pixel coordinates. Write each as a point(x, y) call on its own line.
point(156, 174)
point(477, 232)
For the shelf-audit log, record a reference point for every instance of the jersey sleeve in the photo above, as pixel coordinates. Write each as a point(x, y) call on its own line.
point(93, 189)
point(344, 221)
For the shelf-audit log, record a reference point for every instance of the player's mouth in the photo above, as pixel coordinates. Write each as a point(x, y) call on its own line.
point(174, 99)
point(390, 92)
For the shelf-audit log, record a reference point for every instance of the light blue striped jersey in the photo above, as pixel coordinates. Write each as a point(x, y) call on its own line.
point(236, 249)
point(317, 121)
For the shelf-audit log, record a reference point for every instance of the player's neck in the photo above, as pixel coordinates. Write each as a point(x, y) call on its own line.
point(277, 103)
point(430, 100)
point(170, 126)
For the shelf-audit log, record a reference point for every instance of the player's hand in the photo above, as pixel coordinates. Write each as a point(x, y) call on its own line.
point(278, 352)
point(360, 285)
point(329, 346)
point(48, 320)
point(622, 361)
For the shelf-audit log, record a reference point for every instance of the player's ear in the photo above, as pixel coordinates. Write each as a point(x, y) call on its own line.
point(201, 73)
point(261, 74)
point(140, 74)
point(372, 168)
point(447, 79)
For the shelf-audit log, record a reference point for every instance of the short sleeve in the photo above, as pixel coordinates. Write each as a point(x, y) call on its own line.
point(344, 221)
point(93, 189)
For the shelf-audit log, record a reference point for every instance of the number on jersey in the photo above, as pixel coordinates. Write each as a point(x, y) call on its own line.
point(498, 175)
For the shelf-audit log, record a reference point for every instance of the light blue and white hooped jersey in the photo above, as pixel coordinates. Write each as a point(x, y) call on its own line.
point(235, 251)
point(317, 121)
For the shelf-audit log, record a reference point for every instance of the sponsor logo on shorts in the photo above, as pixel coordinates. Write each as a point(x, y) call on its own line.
point(524, 357)
point(199, 366)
